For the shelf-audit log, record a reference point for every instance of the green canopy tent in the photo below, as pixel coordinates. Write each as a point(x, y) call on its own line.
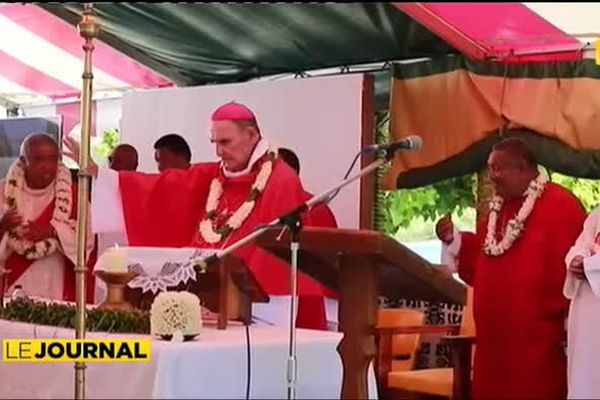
point(197, 44)
point(212, 43)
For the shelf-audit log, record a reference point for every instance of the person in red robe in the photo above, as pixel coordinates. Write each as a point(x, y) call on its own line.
point(39, 211)
point(320, 215)
point(515, 263)
point(211, 205)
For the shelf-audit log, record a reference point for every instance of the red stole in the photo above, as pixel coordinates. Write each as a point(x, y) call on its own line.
point(18, 264)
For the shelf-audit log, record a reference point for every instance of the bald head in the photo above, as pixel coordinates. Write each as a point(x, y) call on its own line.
point(124, 157)
point(36, 139)
point(40, 157)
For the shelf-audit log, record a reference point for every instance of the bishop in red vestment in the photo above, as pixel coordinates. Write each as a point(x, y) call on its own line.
point(213, 205)
point(515, 264)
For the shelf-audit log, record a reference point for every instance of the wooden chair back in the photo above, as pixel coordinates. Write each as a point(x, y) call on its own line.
point(404, 347)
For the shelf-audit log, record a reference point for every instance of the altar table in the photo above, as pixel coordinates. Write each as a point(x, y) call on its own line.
point(213, 366)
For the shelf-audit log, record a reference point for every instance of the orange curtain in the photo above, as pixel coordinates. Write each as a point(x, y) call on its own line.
point(453, 107)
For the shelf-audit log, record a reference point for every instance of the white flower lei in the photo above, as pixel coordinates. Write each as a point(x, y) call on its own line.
point(515, 226)
point(239, 216)
point(173, 312)
point(15, 182)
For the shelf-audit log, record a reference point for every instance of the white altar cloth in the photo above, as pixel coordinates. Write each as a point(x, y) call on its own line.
point(213, 366)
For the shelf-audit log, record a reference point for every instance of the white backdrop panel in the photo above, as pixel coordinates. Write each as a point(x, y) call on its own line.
point(319, 118)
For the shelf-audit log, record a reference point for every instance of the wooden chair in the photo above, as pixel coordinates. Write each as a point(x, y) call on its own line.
point(403, 347)
point(453, 382)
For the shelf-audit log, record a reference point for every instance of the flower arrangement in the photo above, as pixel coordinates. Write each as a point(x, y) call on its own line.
point(175, 313)
point(15, 181)
point(207, 225)
point(514, 227)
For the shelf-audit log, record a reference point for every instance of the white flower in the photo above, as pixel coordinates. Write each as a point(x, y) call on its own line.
point(263, 176)
point(216, 190)
point(208, 233)
point(514, 227)
point(496, 203)
point(236, 220)
point(173, 312)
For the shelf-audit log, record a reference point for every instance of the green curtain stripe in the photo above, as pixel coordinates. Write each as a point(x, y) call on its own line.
point(570, 69)
point(551, 153)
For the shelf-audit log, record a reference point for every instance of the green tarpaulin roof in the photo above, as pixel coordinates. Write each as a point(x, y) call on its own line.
point(194, 44)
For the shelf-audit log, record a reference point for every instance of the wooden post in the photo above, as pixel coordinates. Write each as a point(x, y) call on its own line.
point(367, 183)
point(358, 318)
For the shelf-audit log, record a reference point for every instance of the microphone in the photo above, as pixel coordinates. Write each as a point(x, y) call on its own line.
point(413, 142)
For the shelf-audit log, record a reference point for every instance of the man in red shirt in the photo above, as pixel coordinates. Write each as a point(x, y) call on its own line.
point(322, 216)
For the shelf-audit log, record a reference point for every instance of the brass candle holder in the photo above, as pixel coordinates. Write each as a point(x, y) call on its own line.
point(116, 283)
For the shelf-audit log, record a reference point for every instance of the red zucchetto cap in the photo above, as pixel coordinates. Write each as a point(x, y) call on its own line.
point(233, 112)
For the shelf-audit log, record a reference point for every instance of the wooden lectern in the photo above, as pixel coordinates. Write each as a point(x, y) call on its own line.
point(227, 288)
point(362, 265)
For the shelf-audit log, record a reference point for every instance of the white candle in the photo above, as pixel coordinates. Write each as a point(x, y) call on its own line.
point(114, 261)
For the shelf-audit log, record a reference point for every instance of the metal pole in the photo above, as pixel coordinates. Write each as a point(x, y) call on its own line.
point(292, 366)
point(88, 29)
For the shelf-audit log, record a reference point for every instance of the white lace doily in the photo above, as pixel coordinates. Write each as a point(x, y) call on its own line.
point(159, 268)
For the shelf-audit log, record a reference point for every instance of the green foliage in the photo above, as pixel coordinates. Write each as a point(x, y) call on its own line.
point(429, 203)
point(587, 190)
point(397, 209)
point(411, 213)
point(63, 316)
point(421, 230)
point(110, 140)
point(100, 147)
point(380, 213)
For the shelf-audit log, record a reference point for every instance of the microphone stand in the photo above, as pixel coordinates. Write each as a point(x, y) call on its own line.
point(293, 222)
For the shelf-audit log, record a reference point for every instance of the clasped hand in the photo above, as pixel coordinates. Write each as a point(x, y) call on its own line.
point(576, 268)
point(444, 229)
point(32, 231)
point(10, 220)
point(37, 232)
